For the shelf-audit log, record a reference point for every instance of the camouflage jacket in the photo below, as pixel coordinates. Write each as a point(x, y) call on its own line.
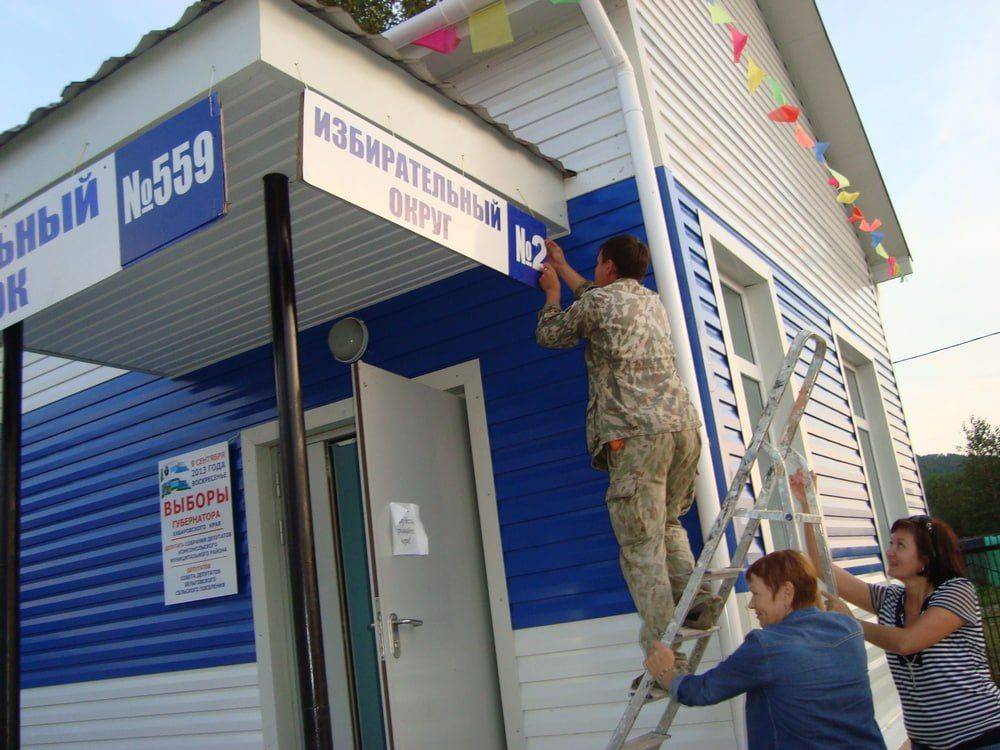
point(634, 386)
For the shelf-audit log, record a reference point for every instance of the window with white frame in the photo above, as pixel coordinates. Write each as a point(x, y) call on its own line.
point(871, 429)
point(754, 339)
point(744, 361)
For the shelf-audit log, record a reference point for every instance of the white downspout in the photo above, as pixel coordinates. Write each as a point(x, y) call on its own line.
point(653, 217)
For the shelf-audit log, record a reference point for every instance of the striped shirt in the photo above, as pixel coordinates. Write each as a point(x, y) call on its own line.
point(946, 690)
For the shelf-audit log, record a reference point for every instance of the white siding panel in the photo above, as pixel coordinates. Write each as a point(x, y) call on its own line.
point(48, 379)
point(216, 709)
point(574, 679)
point(557, 91)
point(720, 144)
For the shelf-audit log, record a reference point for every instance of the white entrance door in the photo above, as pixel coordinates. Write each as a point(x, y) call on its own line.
point(440, 680)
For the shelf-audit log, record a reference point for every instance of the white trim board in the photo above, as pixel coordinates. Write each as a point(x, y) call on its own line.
point(217, 708)
point(272, 631)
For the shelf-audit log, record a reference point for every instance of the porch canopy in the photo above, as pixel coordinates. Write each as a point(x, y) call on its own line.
point(205, 297)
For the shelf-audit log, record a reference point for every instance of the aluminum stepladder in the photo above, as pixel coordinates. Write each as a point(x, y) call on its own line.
point(784, 461)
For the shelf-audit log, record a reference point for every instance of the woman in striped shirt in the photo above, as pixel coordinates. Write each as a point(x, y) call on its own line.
point(932, 630)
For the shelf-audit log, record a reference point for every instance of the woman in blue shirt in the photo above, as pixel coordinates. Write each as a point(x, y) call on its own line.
point(805, 672)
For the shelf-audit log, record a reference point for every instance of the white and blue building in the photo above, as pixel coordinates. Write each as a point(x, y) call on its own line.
point(149, 343)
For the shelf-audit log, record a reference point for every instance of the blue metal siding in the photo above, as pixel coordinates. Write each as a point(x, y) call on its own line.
point(92, 599)
point(836, 456)
point(92, 590)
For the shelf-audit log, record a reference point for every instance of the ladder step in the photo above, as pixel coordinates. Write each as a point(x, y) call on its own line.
point(777, 515)
point(649, 741)
point(693, 634)
point(721, 573)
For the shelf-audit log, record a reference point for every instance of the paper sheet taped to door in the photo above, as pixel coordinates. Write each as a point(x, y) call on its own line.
point(408, 534)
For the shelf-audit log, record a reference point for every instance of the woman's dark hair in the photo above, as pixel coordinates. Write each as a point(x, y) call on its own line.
point(630, 255)
point(936, 542)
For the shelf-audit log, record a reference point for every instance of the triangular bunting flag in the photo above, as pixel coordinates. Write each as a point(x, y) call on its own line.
point(847, 198)
point(877, 238)
point(880, 251)
point(777, 93)
point(865, 226)
point(443, 40)
point(856, 215)
point(755, 76)
point(739, 40)
point(489, 28)
point(837, 179)
point(893, 268)
point(803, 137)
point(719, 14)
point(819, 151)
point(784, 113)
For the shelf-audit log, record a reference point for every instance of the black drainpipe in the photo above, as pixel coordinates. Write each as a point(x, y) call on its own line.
point(10, 478)
point(294, 474)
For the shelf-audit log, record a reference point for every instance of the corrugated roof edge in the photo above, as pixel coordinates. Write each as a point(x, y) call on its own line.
point(333, 15)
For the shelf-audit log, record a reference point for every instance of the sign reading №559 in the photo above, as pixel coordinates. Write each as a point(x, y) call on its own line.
point(347, 156)
point(152, 191)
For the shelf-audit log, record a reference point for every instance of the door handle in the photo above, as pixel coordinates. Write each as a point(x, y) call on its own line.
point(394, 623)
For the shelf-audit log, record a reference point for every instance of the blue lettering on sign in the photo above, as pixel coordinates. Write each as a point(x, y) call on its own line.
point(171, 181)
point(525, 246)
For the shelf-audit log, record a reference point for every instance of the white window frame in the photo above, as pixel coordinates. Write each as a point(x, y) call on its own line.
point(858, 357)
point(732, 263)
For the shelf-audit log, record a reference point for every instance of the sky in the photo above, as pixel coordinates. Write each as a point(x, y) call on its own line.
point(924, 76)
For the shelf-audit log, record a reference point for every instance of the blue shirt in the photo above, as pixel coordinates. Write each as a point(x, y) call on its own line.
point(806, 680)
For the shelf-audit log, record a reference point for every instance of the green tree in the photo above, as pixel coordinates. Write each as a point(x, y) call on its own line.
point(969, 499)
point(375, 16)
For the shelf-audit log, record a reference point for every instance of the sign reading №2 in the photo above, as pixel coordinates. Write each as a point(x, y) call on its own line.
point(347, 156)
point(196, 525)
point(152, 191)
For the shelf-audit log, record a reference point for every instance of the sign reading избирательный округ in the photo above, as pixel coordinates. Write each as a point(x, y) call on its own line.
point(347, 156)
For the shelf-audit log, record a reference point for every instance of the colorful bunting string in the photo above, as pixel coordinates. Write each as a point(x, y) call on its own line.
point(443, 40)
point(777, 92)
point(739, 40)
point(720, 15)
point(755, 76)
point(489, 28)
point(786, 113)
point(803, 137)
point(836, 178)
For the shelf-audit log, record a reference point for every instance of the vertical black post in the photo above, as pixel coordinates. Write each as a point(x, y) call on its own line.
point(294, 476)
point(10, 480)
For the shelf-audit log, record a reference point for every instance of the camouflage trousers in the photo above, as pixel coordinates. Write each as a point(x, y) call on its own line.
point(652, 486)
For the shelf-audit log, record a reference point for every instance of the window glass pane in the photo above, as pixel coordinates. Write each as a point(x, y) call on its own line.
point(739, 330)
point(872, 469)
point(755, 407)
point(852, 386)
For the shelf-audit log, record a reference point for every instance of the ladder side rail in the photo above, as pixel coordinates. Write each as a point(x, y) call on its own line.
point(771, 480)
point(728, 508)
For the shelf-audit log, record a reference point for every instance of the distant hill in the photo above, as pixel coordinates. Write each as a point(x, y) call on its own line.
point(939, 464)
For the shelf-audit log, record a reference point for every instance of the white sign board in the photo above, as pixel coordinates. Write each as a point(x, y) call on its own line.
point(196, 525)
point(157, 188)
point(347, 156)
point(408, 534)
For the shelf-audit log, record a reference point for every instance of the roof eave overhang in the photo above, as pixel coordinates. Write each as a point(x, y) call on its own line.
point(799, 33)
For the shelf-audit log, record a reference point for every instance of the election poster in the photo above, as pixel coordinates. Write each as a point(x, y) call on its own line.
point(196, 525)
